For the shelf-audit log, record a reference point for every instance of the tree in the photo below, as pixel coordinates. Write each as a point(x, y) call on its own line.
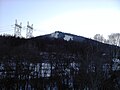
point(99, 38)
point(114, 39)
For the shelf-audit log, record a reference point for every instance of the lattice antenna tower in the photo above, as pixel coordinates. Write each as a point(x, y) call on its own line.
point(29, 30)
point(17, 31)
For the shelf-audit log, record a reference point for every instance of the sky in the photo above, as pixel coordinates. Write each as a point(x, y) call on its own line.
point(81, 17)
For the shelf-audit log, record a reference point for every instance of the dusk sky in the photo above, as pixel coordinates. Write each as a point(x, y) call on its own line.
point(80, 17)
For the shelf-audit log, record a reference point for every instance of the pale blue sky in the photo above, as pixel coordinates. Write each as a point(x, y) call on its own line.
point(81, 17)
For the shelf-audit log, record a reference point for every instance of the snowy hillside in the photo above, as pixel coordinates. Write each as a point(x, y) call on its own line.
point(66, 36)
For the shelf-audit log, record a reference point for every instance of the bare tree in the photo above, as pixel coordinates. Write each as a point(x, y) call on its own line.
point(114, 39)
point(99, 38)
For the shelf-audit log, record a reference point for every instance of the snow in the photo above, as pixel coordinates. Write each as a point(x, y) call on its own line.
point(115, 60)
point(104, 54)
point(106, 67)
point(116, 64)
point(68, 37)
point(55, 35)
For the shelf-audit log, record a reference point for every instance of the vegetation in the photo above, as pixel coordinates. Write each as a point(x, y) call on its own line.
point(43, 63)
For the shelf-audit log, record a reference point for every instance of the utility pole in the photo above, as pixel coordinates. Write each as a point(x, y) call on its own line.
point(17, 31)
point(29, 30)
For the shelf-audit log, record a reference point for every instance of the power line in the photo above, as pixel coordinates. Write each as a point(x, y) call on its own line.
point(2, 28)
point(18, 28)
point(5, 26)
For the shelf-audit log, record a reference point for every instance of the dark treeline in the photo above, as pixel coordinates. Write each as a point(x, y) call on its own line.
point(43, 63)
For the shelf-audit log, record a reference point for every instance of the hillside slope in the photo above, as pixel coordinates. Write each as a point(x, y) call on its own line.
point(58, 61)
